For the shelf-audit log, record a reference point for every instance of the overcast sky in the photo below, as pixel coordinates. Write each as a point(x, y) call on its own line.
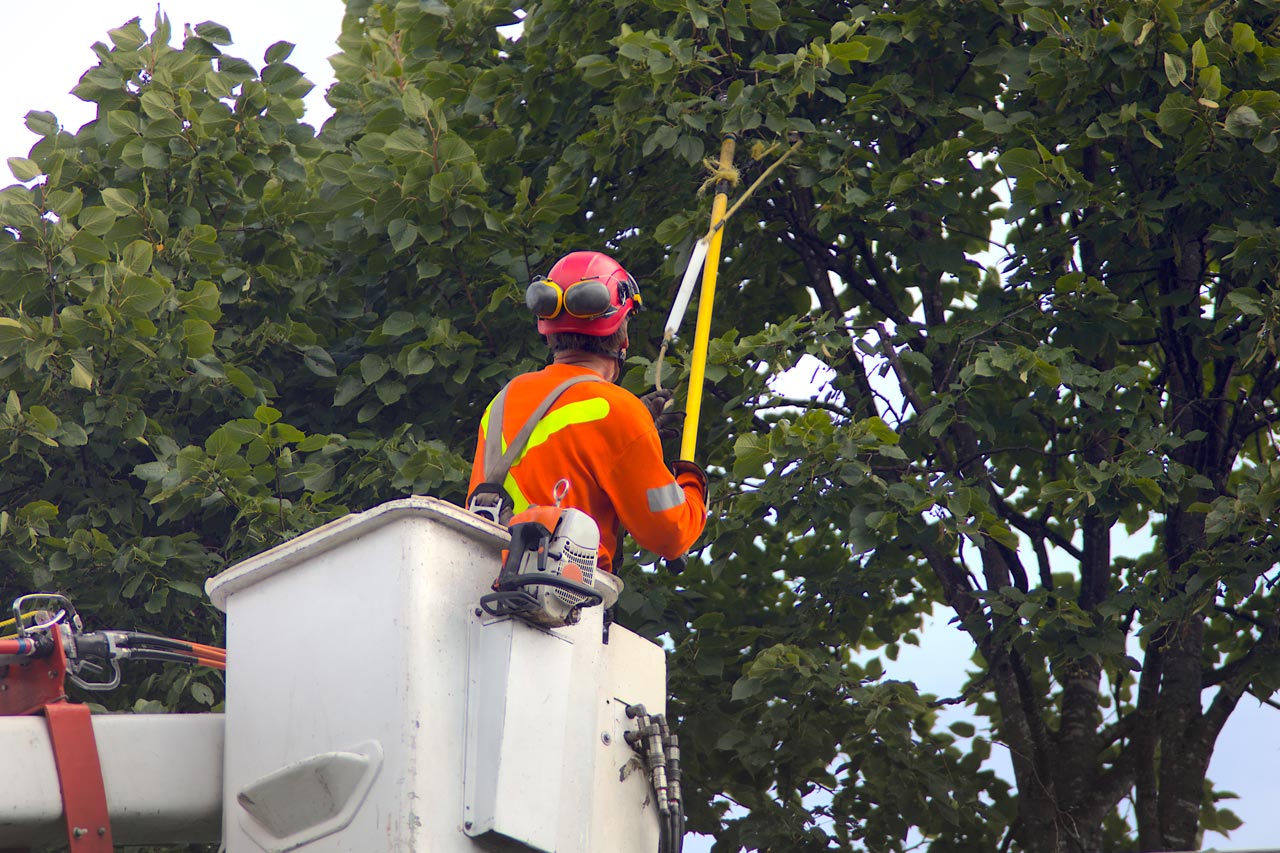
point(45, 47)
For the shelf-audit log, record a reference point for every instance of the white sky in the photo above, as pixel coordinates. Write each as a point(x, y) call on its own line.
point(45, 47)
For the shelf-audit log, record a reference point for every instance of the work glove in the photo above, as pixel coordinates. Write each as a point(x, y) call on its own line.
point(683, 468)
point(668, 423)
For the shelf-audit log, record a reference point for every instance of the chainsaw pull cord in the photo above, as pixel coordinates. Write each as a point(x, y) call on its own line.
point(497, 463)
point(731, 176)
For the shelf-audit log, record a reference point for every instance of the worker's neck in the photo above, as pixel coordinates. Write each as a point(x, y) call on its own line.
point(602, 364)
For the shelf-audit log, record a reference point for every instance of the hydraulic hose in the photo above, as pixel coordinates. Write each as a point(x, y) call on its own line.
point(660, 749)
point(151, 646)
point(22, 647)
point(175, 657)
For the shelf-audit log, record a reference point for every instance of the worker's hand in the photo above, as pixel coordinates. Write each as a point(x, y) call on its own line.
point(669, 423)
point(657, 402)
point(684, 470)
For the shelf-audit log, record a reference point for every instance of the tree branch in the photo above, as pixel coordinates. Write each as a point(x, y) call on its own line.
point(908, 390)
point(1035, 528)
point(784, 402)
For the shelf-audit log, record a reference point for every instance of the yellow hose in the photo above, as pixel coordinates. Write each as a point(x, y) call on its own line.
point(6, 623)
point(702, 333)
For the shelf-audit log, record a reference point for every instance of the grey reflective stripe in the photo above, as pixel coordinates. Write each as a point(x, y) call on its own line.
point(496, 463)
point(493, 441)
point(665, 497)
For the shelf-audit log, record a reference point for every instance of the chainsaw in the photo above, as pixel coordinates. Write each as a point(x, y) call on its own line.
point(548, 571)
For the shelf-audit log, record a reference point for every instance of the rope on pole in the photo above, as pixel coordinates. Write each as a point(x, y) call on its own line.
point(697, 258)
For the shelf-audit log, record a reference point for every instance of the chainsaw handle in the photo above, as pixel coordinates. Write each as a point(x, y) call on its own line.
point(592, 595)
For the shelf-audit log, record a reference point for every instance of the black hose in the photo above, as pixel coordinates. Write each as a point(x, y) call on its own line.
point(671, 747)
point(135, 640)
point(664, 836)
point(156, 654)
point(654, 740)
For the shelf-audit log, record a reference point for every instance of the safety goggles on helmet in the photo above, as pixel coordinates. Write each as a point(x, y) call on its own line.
point(584, 293)
point(588, 299)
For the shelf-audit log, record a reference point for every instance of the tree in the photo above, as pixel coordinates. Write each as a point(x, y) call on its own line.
point(304, 300)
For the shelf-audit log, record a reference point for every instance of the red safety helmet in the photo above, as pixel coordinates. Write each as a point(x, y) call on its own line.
point(588, 293)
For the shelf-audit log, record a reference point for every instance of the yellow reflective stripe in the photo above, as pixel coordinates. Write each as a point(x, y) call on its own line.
point(578, 412)
point(519, 503)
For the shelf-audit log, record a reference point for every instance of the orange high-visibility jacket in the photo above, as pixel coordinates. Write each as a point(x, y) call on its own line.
point(600, 438)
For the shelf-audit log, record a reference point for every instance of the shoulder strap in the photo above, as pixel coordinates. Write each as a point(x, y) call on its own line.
point(497, 463)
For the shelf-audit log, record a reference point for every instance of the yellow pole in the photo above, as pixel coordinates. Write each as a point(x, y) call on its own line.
point(702, 333)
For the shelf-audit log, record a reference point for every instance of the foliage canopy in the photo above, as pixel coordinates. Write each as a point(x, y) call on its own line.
point(220, 327)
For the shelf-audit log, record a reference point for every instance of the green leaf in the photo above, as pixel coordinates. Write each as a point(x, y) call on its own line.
point(403, 234)
point(1150, 489)
point(765, 14)
point(151, 471)
point(140, 295)
point(745, 688)
point(123, 123)
point(81, 371)
point(130, 588)
point(1243, 39)
point(1001, 534)
point(1199, 56)
point(751, 454)
point(266, 415)
point(97, 220)
point(881, 430)
point(187, 588)
point(286, 432)
point(120, 201)
point(138, 256)
point(372, 368)
point(213, 33)
point(849, 51)
point(349, 388)
point(129, 37)
point(1017, 162)
point(319, 362)
point(278, 52)
point(241, 381)
point(313, 442)
point(72, 435)
point(42, 123)
point(1242, 121)
point(399, 323)
point(419, 361)
point(1212, 24)
point(198, 336)
point(24, 169)
point(200, 691)
point(1175, 69)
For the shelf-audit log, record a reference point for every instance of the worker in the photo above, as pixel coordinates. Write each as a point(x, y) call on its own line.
point(596, 435)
